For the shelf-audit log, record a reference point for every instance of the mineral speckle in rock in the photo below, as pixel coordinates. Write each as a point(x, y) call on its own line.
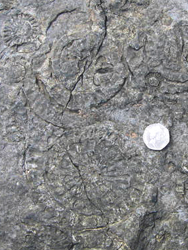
point(156, 136)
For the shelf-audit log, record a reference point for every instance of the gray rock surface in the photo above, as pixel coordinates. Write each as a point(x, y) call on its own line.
point(79, 83)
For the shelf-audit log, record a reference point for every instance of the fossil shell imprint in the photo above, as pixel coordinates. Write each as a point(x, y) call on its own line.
point(21, 28)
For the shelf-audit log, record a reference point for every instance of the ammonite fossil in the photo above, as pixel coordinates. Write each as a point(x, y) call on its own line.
point(20, 29)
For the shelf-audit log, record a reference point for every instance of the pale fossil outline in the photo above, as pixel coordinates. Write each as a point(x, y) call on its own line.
point(19, 29)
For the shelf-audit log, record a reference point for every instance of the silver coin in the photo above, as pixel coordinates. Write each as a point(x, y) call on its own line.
point(156, 136)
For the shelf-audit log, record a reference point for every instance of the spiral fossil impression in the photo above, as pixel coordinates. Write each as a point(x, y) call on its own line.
point(21, 28)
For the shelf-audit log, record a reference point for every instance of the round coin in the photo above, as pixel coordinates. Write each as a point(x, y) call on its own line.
point(156, 136)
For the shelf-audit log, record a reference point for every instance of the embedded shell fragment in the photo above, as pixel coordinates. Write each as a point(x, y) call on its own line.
point(156, 136)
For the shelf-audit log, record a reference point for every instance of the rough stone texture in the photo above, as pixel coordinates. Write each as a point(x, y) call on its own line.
point(79, 82)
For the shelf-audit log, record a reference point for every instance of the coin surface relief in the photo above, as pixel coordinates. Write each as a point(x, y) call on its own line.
point(156, 136)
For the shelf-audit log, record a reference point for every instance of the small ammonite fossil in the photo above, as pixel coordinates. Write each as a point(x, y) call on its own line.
point(20, 29)
point(153, 79)
point(156, 136)
point(16, 73)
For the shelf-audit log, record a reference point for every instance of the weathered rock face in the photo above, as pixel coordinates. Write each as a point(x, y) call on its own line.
point(79, 83)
